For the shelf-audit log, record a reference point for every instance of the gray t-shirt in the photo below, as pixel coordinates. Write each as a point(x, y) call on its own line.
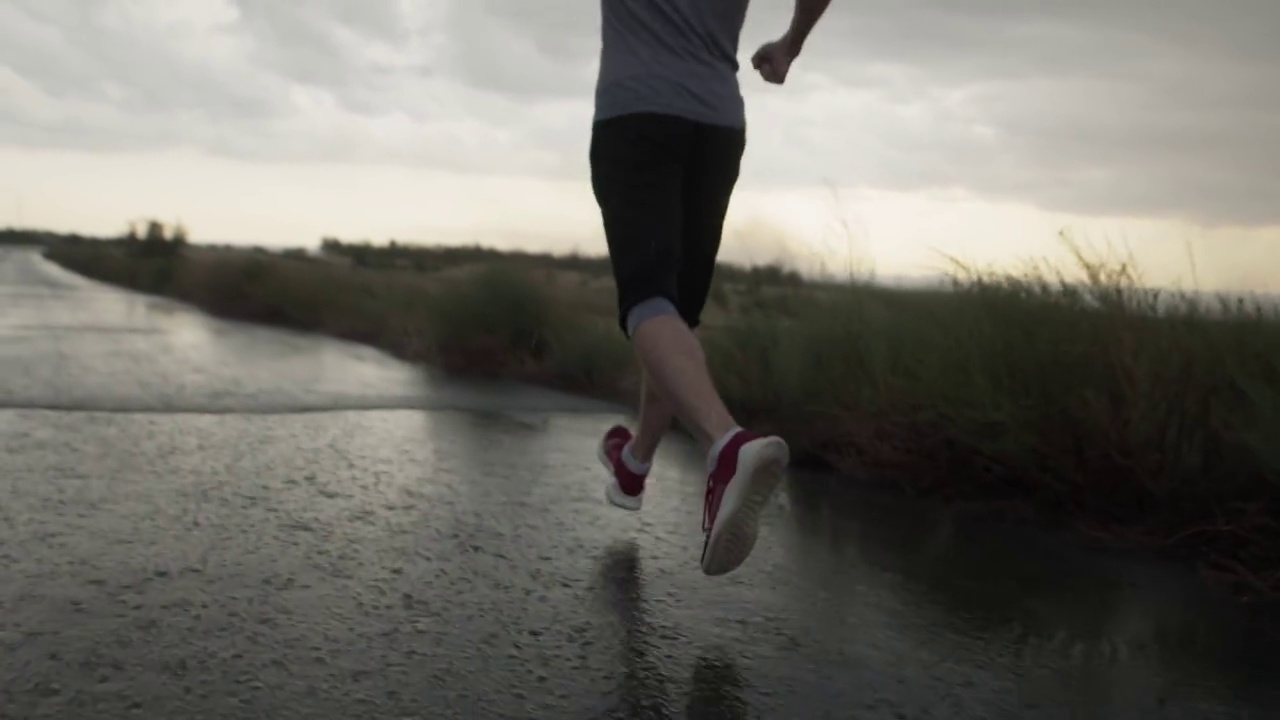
point(678, 57)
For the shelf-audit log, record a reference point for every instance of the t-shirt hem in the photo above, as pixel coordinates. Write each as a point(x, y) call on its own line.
point(706, 118)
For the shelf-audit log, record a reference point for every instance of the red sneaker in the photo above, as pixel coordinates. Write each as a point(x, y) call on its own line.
point(624, 488)
point(743, 478)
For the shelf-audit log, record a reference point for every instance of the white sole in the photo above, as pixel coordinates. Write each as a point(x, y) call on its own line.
point(612, 491)
point(733, 536)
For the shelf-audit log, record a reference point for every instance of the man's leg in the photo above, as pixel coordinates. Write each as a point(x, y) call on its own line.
point(637, 169)
point(673, 360)
point(656, 415)
point(670, 350)
point(743, 469)
point(663, 186)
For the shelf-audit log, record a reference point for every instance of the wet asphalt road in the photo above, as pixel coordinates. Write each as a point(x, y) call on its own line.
point(200, 519)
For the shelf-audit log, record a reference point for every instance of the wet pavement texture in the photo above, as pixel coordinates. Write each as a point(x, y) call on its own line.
point(202, 519)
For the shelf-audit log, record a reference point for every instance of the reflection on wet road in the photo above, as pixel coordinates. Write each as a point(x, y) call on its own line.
point(200, 519)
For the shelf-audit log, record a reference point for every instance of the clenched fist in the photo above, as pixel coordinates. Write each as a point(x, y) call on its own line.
point(774, 59)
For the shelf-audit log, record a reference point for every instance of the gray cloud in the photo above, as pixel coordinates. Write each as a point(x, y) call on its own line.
point(119, 55)
point(1139, 106)
point(1160, 107)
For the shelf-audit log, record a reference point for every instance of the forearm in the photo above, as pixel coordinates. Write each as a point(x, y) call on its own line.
point(806, 15)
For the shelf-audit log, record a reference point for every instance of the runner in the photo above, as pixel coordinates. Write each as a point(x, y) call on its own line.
point(666, 144)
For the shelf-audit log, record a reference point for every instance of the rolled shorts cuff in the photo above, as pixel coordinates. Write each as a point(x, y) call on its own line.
point(647, 310)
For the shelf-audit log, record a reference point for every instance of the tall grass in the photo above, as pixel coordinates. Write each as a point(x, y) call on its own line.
point(1089, 399)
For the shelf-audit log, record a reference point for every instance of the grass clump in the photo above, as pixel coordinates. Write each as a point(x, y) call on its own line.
point(497, 320)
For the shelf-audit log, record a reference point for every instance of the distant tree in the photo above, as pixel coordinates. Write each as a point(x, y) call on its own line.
point(158, 241)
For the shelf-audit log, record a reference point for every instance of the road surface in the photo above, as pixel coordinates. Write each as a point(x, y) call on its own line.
point(201, 519)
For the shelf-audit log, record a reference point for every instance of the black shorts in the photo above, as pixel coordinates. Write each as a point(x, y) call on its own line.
point(663, 185)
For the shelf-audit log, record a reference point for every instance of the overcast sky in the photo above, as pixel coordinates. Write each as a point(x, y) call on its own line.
point(1156, 111)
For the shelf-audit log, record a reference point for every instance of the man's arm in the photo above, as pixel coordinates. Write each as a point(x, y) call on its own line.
point(806, 15)
point(773, 59)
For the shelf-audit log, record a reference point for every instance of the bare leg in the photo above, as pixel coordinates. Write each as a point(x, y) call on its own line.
point(673, 361)
point(656, 415)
